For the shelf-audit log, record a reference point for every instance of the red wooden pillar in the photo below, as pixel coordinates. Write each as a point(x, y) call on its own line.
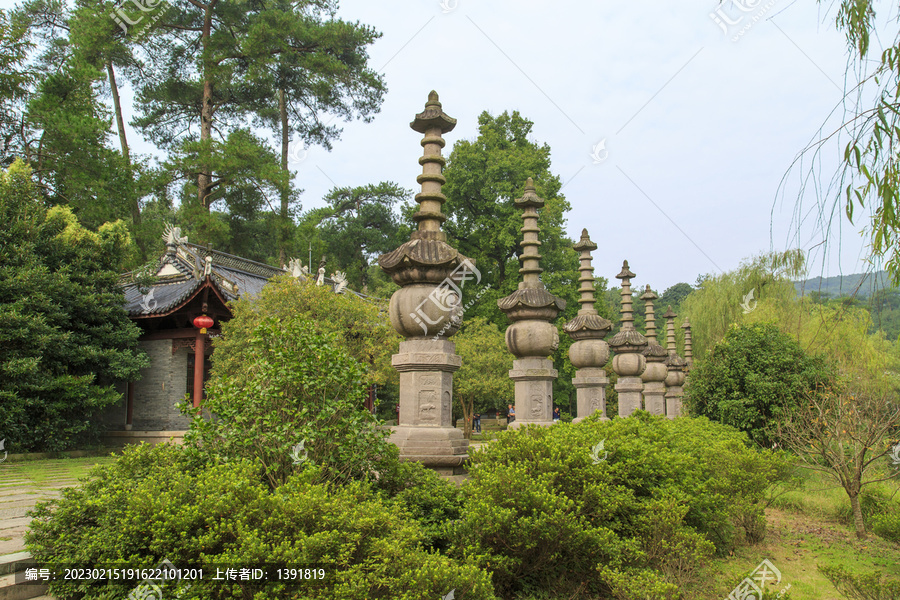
point(199, 359)
point(201, 323)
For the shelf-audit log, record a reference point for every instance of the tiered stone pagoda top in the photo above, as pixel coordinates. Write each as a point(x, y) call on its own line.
point(531, 301)
point(688, 344)
point(628, 339)
point(654, 350)
point(426, 257)
point(588, 324)
point(673, 360)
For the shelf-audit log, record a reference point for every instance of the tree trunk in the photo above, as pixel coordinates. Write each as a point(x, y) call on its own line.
point(858, 522)
point(120, 123)
point(467, 418)
point(123, 142)
point(204, 178)
point(285, 197)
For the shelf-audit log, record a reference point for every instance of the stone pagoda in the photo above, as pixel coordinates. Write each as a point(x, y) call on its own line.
point(426, 310)
point(688, 345)
point(589, 353)
point(532, 338)
point(654, 376)
point(629, 345)
point(675, 366)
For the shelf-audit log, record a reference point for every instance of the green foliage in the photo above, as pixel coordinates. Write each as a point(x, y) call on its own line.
point(861, 586)
point(361, 225)
point(545, 518)
point(64, 337)
point(750, 378)
point(362, 328)
point(730, 298)
point(294, 386)
point(483, 382)
point(880, 512)
point(156, 504)
point(484, 177)
point(887, 525)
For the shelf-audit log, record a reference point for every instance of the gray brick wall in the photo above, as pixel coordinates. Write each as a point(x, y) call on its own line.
point(161, 386)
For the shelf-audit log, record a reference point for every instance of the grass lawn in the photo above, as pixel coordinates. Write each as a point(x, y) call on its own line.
point(808, 527)
point(48, 472)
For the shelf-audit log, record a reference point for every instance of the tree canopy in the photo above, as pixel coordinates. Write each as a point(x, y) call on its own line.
point(64, 337)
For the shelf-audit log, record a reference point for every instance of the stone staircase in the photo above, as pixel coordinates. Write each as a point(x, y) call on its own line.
point(21, 487)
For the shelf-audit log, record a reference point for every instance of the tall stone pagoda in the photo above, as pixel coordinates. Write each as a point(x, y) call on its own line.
point(426, 310)
point(675, 366)
point(654, 376)
point(589, 353)
point(628, 344)
point(532, 338)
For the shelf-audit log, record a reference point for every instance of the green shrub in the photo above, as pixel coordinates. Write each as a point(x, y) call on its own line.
point(296, 385)
point(543, 516)
point(158, 504)
point(887, 525)
point(861, 586)
point(749, 378)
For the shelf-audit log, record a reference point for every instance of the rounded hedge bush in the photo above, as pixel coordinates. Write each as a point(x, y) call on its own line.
point(549, 512)
point(156, 504)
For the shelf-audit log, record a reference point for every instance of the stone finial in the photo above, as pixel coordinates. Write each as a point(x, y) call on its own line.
point(688, 344)
point(588, 324)
point(427, 258)
point(531, 301)
point(650, 322)
point(655, 373)
point(589, 353)
point(432, 122)
point(675, 365)
point(531, 270)
point(627, 311)
point(669, 316)
point(628, 344)
point(532, 338)
point(628, 339)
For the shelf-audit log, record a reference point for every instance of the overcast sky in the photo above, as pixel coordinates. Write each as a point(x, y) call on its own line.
point(699, 129)
point(699, 120)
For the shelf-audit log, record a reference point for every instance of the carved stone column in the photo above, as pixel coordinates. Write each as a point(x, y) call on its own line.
point(629, 345)
point(675, 366)
point(654, 376)
point(532, 338)
point(589, 353)
point(426, 311)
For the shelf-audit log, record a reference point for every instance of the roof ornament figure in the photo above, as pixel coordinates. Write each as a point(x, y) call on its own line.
point(173, 237)
point(340, 281)
point(320, 278)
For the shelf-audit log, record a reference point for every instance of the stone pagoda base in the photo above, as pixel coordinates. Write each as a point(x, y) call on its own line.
point(655, 397)
point(629, 390)
point(590, 385)
point(425, 432)
point(674, 402)
point(533, 378)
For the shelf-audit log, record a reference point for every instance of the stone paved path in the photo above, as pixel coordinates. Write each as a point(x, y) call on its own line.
point(23, 484)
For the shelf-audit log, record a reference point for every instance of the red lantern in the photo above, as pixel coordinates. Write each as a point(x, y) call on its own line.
point(203, 322)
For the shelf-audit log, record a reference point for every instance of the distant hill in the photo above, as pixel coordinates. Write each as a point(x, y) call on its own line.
point(845, 285)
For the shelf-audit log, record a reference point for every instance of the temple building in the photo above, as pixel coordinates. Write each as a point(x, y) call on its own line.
point(179, 311)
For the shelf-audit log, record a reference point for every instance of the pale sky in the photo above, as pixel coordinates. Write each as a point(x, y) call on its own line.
point(698, 130)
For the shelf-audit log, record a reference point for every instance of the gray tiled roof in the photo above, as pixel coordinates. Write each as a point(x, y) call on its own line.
point(232, 276)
